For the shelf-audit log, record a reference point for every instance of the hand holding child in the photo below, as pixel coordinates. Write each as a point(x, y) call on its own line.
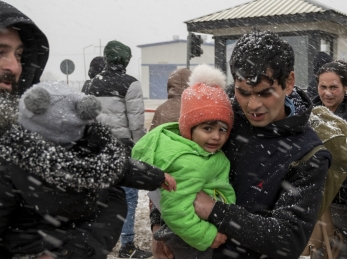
point(219, 240)
point(169, 184)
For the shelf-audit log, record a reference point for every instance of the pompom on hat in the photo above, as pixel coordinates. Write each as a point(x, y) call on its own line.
point(205, 100)
point(57, 112)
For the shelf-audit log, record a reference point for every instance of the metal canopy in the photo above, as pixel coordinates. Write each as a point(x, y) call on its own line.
point(265, 8)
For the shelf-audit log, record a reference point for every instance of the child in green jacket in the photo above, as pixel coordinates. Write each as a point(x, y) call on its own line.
point(190, 152)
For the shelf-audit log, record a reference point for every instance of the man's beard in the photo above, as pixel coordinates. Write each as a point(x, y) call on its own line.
point(9, 78)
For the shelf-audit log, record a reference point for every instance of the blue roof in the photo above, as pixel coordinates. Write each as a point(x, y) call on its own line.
point(169, 42)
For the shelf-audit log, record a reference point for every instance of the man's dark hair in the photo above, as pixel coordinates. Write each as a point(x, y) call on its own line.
point(256, 52)
point(339, 67)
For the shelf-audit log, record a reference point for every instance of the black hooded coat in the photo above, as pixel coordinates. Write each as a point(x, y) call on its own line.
point(36, 47)
point(42, 207)
point(96, 67)
point(278, 198)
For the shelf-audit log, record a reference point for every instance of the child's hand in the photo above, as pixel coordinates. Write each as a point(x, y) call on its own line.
point(219, 240)
point(170, 183)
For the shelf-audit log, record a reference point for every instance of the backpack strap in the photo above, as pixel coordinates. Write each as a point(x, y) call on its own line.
point(310, 154)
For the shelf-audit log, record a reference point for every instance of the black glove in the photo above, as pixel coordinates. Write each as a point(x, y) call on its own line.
point(140, 175)
point(95, 138)
point(128, 145)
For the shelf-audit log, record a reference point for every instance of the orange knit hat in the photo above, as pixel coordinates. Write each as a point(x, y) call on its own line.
point(205, 100)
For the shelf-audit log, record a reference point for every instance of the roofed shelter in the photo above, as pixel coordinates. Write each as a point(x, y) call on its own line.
point(308, 26)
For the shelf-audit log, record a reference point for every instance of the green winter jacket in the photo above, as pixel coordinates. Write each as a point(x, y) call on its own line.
point(194, 169)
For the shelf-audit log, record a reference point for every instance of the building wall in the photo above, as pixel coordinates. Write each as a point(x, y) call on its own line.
point(145, 81)
point(164, 54)
point(168, 55)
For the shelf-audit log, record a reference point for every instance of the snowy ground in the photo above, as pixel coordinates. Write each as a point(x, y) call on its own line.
point(143, 234)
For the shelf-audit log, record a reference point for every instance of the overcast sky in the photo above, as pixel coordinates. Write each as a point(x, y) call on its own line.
point(73, 25)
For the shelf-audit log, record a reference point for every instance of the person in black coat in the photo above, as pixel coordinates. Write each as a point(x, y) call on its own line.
point(319, 60)
point(278, 196)
point(96, 67)
point(64, 173)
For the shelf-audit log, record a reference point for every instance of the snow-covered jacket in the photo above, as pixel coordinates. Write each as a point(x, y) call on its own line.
point(194, 169)
point(122, 102)
point(36, 48)
point(65, 200)
point(278, 199)
point(341, 111)
point(169, 111)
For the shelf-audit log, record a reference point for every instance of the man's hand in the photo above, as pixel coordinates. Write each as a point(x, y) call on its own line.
point(219, 240)
point(159, 249)
point(203, 205)
point(169, 184)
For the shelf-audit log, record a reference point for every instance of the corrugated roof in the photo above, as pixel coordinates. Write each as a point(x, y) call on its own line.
point(169, 42)
point(263, 8)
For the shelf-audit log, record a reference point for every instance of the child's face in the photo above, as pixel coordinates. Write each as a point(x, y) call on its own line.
point(210, 136)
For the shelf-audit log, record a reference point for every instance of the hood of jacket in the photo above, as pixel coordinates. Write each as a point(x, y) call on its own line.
point(36, 47)
point(96, 66)
point(117, 53)
point(178, 82)
point(165, 144)
point(319, 60)
point(76, 169)
point(294, 124)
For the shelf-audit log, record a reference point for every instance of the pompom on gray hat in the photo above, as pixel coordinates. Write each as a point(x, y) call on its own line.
point(58, 112)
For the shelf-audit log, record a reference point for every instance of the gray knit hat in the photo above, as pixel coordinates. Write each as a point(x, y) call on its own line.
point(57, 112)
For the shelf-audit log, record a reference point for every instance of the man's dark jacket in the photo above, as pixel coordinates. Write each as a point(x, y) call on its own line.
point(277, 199)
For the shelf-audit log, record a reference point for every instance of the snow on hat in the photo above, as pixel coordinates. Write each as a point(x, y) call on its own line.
point(205, 100)
point(117, 53)
point(57, 112)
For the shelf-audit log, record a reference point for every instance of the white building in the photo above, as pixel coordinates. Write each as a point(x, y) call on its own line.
point(159, 59)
